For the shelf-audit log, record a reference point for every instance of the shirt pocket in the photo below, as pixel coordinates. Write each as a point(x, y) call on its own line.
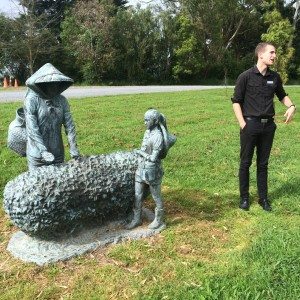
point(270, 90)
point(254, 87)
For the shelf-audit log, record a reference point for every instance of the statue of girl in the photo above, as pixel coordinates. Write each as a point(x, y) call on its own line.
point(155, 145)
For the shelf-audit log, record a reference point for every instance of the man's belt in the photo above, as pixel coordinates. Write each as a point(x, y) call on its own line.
point(260, 119)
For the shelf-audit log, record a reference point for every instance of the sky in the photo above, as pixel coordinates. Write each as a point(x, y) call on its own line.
point(10, 8)
point(143, 2)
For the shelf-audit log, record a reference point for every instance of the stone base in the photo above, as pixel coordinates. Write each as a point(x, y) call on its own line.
point(41, 252)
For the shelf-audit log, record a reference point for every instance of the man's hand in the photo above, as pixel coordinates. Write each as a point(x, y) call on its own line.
point(289, 114)
point(239, 115)
point(242, 126)
point(47, 156)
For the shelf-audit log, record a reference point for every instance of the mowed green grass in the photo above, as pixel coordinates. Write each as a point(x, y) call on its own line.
point(210, 249)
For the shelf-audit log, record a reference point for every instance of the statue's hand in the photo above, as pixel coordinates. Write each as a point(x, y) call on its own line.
point(136, 151)
point(47, 156)
point(142, 153)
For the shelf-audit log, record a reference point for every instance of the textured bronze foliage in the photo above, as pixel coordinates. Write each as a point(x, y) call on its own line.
point(55, 200)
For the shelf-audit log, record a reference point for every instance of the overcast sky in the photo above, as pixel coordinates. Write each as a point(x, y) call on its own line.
point(9, 7)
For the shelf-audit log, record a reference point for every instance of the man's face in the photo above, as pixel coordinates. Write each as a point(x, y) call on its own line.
point(268, 55)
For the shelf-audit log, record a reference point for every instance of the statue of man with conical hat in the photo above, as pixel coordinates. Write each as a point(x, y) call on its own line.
point(46, 110)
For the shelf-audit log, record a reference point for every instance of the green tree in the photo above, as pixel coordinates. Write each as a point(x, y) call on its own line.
point(32, 38)
point(26, 42)
point(52, 11)
point(137, 39)
point(279, 32)
point(7, 68)
point(294, 66)
point(221, 27)
point(167, 18)
point(120, 3)
point(86, 34)
point(188, 54)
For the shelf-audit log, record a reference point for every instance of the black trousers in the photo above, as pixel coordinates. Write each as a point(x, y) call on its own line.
point(260, 136)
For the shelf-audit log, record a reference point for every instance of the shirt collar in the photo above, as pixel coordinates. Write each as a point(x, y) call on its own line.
point(255, 70)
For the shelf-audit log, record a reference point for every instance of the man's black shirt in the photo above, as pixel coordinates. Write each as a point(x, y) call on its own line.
point(255, 92)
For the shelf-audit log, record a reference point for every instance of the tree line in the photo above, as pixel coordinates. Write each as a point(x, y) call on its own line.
point(185, 41)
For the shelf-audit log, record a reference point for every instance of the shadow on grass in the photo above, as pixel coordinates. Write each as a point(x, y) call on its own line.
point(291, 188)
point(198, 204)
point(204, 206)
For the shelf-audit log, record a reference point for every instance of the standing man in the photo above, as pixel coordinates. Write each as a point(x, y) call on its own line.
point(254, 109)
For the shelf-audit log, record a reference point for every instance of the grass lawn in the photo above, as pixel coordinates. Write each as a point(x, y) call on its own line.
point(210, 249)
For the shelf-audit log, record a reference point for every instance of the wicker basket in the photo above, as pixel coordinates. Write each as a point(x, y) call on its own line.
point(17, 137)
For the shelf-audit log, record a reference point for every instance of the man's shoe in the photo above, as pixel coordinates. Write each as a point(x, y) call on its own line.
point(264, 203)
point(244, 204)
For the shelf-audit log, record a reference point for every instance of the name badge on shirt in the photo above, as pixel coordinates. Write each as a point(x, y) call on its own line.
point(270, 82)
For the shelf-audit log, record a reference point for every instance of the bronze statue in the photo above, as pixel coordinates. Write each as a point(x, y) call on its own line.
point(46, 110)
point(155, 145)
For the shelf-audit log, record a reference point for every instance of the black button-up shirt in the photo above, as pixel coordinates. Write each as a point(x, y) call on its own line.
point(255, 92)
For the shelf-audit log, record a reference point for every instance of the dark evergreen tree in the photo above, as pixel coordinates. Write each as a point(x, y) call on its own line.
point(121, 3)
point(52, 10)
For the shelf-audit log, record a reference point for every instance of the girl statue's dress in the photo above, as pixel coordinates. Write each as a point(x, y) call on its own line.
point(155, 145)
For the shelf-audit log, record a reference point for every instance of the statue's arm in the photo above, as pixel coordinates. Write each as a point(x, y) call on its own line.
point(32, 128)
point(145, 141)
point(158, 145)
point(157, 148)
point(143, 148)
point(70, 129)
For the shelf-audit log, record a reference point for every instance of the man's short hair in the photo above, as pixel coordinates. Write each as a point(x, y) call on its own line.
point(261, 47)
